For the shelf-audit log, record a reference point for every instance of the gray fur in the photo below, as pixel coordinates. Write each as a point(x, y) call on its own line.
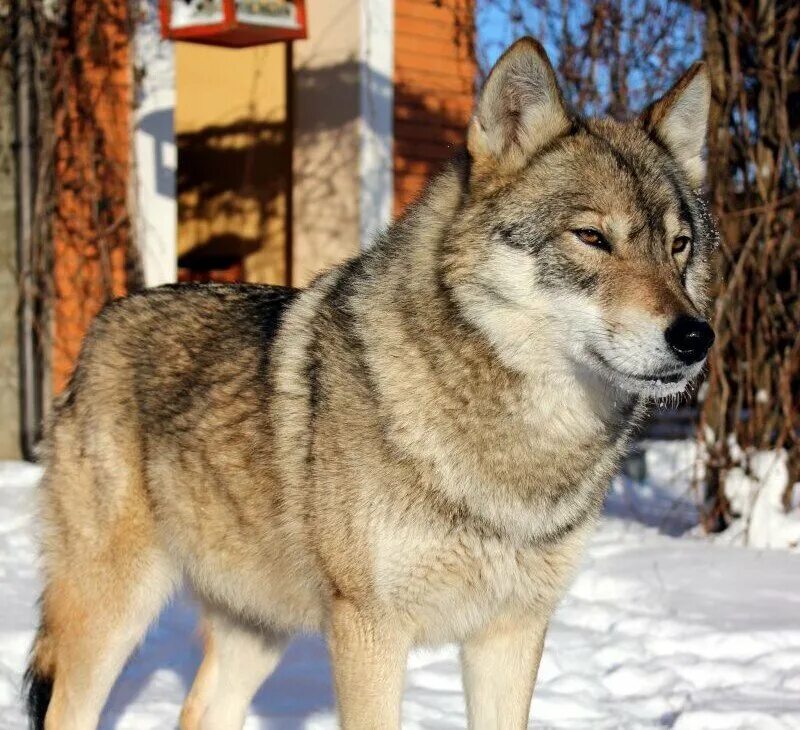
point(411, 451)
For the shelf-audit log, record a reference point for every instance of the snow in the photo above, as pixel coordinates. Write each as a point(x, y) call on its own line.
point(657, 631)
point(755, 492)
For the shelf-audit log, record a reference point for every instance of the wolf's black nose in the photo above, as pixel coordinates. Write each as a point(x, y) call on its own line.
point(689, 338)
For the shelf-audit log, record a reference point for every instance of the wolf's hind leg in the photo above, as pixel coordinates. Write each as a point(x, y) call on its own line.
point(500, 664)
point(238, 658)
point(92, 618)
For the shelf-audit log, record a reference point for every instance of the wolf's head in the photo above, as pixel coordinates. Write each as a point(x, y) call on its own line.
point(585, 238)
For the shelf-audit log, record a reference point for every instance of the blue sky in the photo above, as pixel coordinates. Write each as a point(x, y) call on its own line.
point(500, 22)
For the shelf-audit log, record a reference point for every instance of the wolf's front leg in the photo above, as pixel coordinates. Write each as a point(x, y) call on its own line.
point(499, 665)
point(369, 660)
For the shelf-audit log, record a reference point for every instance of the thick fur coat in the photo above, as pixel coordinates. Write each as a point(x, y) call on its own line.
point(411, 451)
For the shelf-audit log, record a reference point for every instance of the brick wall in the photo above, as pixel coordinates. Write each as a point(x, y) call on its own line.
point(434, 83)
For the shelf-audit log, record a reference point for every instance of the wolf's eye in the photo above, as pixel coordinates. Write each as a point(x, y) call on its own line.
point(680, 244)
point(591, 237)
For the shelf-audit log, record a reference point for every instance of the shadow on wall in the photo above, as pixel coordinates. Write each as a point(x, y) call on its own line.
point(230, 176)
point(228, 180)
point(160, 125)
point(325, 204)
point(428, 128)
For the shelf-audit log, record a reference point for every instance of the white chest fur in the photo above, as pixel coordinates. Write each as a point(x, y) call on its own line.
point(449, 584)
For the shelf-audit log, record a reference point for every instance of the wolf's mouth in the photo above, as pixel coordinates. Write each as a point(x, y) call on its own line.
point(655, 379)
point(664, 378)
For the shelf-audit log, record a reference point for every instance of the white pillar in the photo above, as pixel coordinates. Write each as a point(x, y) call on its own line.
point(376, 117)
point(155, 152)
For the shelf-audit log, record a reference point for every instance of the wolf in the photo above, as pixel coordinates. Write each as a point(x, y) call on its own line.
point(411, 451)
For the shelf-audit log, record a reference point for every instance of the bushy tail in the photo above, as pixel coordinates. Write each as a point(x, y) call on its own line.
point(37, 686)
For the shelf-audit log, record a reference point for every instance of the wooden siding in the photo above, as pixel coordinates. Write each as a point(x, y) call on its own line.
point(434, 79)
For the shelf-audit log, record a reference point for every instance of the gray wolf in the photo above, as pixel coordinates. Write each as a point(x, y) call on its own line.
point(411, 451)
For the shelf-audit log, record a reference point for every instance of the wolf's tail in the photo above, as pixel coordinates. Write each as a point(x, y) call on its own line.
point(37, 686)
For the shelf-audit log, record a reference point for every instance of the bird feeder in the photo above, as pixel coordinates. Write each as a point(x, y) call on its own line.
point(233, 23)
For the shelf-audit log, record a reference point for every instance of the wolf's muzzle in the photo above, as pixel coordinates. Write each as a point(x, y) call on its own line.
point(689, 338)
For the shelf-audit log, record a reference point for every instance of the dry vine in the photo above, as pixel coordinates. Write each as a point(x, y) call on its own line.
point(72, 63)
point(753, 395)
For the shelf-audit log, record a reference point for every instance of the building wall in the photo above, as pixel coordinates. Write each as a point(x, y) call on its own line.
point(326, 190)
point(434, 74)
point(342, 167)
point(233, 159)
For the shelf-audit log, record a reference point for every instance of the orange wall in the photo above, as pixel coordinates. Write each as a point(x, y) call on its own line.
point(434, 81)
point(91, 229)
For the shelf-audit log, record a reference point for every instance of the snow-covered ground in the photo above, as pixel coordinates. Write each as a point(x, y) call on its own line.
point(657, 631)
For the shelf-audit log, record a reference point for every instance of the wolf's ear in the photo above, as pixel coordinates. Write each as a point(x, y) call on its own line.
point(680, 120)
point(519, 111)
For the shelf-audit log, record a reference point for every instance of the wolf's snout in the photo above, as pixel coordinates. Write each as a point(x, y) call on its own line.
point(690, 338)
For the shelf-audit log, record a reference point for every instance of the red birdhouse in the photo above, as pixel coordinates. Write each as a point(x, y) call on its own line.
point(233, 23)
